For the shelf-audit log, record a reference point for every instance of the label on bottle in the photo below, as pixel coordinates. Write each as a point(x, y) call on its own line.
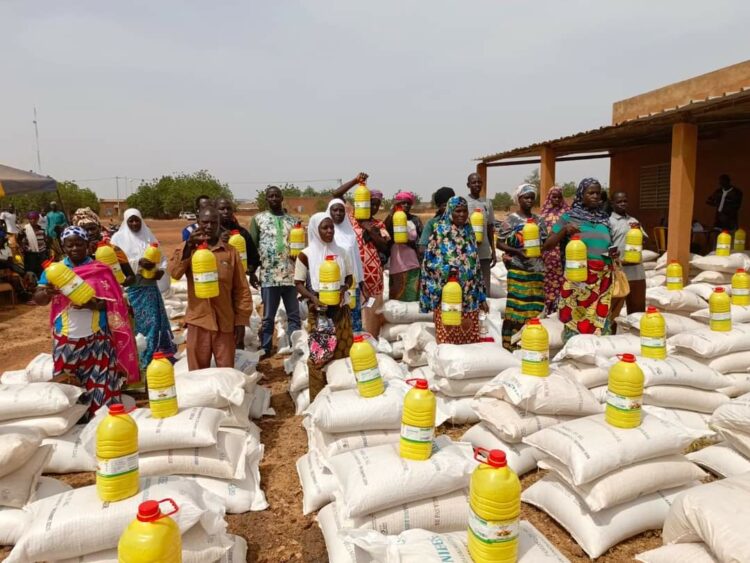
point(206, 277)
point(739, 242)
point(116, 268)
point(367, 375)
point(330, 286)
point(720, 246)
point(534, 356)
point(362, 204)
point(674, 279)
point(297, 245)
point(117, 465)
point(399, 229)
point(575, 264)
point(624, 403)
point(417, 434)
point(721, 316)
point(493, 531)
point(450, 307)
point(633, 247)
point(651, 342)
point(71, 286)
point(478, 228)
point(156, 395)
point(243, 255)
point(738, 291)
point(531, 243)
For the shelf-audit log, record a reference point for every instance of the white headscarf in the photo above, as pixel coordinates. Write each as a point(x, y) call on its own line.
point(346, 238)
point(317, 251)
point(133, 244)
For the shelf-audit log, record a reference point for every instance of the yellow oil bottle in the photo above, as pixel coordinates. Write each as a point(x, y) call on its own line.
point(365, 366)
point(624, 393)
point(106, 255)
point(741, 288)
point(531, 242)
point(451, 303)
point(330, 282)
point(633, 245)
point(296, 240)
point(495, 509)
point(534, 349)
point(237, 241)
point(675, 279)
point(723, 243)
point(116, 456)
point(477, 224)
point(400, 229)
point(417, 421)
point(361, 202)
point(205, 273)
point(576, 266)
point(738, 243)
point(152, 254)
point(162, 393)
point(152, 537)
point(720, 311)
point(653, 334)
point(68, 282)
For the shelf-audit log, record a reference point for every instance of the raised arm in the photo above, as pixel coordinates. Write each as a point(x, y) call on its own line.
point(343, 188)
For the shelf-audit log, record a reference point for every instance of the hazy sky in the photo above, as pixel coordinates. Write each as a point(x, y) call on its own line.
point(409, 91)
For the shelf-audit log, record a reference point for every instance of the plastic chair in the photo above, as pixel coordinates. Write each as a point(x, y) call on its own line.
point(660, 238)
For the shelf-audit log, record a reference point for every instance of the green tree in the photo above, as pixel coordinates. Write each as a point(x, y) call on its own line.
point(569, 189)
point(73, 197)
point(290, 190)
point(533, 179)
point(169, 195)
point(502, 201)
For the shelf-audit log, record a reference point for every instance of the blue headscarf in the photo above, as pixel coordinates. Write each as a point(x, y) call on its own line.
point(580, 213)
point(74, 231)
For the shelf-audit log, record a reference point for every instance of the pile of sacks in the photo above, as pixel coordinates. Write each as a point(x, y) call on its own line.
point(655, 268)
point(50, 409)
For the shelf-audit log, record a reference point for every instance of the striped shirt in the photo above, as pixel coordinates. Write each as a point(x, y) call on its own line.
point(596, 237)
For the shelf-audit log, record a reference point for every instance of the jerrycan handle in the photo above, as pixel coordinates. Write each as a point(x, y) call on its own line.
point(175, 508)
point(481, 454)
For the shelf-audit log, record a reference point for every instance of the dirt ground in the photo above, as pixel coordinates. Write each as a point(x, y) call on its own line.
point(280, 533)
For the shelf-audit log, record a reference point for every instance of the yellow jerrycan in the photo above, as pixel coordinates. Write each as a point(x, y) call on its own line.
point(720, 311)
point(330, 282)
point(451, 302)
point(723, 243)
point(152, 254)
point(738, 243)
point(162, 393)
point(400, 230)
point(361, 202)
point(365, 366)
point(624, 393)
point(477, 224)
point(633, 245)
point(576, 266)
point(205, 273)
point(68, 282)
point(535, 349)
point(153, 537)
point(296, 240)
point(106, 255)
point(531, 242)
point(237, 241)
point(417, 421)
point(653, 334)
point(495, 509)
point(116, 456)
point(741, 288)
point(674, 276)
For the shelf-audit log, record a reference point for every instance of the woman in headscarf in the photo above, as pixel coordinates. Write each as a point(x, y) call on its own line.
point(329, 327)
point(87, 219)
point(452, 250)
point(92, 343)
point(346, 240)
point(552, 210)
point(525, 275)
point(584, 307)
point(151, 319)
point(35, 245)
point(404, 265)
point(439, 199)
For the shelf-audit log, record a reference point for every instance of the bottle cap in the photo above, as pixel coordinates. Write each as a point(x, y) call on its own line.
point(47, 263)
point(629, 358)
point(234, 232)
point(575, 237)
point(530, 220)
point(453, 278)
point(674, 261)
point(478, 210)
point(331, 257)
point(740, 271)
point(148, 511)
point(298, 225)
point(651, 309)
point(203, 246)
point(359, 338)
point(534, 322)
point(158, 356)
point(117, 409)
point(719, 290)
point(724, 232)
point(101, 243)
point(418, 383)
point(154, 244)
point(497, 459)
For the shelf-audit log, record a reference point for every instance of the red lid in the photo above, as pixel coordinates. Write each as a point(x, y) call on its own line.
point(629, 358)
point(740, 271)
point(234, 232)
point(331, 257)
point(575, 237)
point(530, 220)
point(359, 338)
point(534, 321)
point(651, 309)
point(399, 208)
point(101, 243)
point(674, 261)
point(478, 210)
point(203, 246)
point(154, 244)
point(158, 356)
point(47, 263)
point(486, 339)
point(148, 511)
point(116, 409)
point(298, 225)
point(418, 383)
point(497, 458)
point(719, 290)
point(452, 278)
point(725, 232)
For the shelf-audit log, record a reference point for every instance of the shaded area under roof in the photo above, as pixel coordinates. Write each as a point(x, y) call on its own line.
point(16, 182)
point(711, 114)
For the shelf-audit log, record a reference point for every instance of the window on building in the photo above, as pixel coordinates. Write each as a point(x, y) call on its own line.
point(654, 183)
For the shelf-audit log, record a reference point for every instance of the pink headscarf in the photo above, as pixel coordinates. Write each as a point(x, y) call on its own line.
point(405, 196)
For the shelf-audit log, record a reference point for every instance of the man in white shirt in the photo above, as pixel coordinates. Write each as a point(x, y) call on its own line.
point(9, 217)
point(619, 224)
point(487, 256)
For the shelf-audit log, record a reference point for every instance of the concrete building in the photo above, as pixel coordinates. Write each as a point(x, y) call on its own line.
point(667, 149)
point(112, 208)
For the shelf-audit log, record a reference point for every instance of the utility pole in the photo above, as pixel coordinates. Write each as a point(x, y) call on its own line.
point(38, 153)
point(117, 195)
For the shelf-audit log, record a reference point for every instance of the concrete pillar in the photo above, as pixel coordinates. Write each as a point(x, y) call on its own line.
point(482, 171)
point(682, 192)
point(546, 172)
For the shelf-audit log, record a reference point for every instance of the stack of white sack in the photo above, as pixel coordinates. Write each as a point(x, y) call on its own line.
point(498, 281)
point(513, 406)
point(40, 369)
point(22, 460)
point(415, 343)
point(76, 526)
point(375, 489)
point(300, 350)
point(460, 371)
point(680, 301)
point(607, 484)
point(51, 409)
point(283, 334)
point(712, 518)
point(732, 423)
point(655, 271)
point(586, 348)
point(341, 421)
point(193, 444)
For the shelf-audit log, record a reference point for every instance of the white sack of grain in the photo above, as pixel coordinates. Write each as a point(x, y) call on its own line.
point(509, 423)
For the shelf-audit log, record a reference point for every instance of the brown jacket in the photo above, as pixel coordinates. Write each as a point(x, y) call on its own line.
point(234, 304)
